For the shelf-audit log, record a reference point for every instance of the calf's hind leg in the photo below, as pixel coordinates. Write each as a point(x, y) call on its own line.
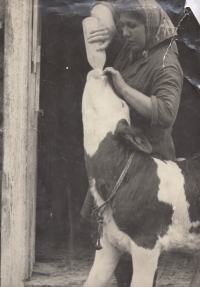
point(145, 263)
point(104, 265)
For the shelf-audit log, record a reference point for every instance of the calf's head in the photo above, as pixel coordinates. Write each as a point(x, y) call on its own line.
point(104, 102)
point(104, 112)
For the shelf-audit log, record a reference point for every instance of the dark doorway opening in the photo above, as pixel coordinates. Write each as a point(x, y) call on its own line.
point(61, 243)
point(62, 180)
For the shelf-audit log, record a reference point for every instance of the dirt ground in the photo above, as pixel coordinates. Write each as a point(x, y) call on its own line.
point(66, 265)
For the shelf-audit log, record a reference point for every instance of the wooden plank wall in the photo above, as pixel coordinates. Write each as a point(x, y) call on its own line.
point(33, 109)
point(1, 13)
point(21, 80)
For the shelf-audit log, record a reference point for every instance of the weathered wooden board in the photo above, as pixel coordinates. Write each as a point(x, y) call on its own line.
point(33, 109)
point(1, 13)
point(20, 142)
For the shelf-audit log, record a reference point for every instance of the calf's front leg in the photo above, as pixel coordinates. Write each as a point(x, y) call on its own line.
point(104, 265)
point(145, 263)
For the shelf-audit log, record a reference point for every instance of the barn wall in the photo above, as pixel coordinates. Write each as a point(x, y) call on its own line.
point(1, 81)
point(186, 131)
point(19, 141)
point(1, 93)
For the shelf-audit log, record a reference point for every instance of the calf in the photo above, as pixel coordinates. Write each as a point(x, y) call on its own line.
point(157, 206)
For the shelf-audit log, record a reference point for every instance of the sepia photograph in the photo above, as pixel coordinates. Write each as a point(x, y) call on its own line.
point(100, 143)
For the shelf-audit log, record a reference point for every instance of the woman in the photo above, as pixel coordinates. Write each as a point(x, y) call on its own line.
point(146, 74)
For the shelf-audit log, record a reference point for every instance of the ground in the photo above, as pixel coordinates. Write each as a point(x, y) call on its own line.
point(66, 265)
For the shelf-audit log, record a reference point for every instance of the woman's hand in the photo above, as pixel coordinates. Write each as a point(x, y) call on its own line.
point(102, 34)
point(118, 81)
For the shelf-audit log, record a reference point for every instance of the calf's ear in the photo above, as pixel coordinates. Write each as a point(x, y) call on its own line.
point(132, 136)
point(141, 143)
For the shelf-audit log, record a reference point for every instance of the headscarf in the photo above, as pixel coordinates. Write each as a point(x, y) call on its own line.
point(158, 25)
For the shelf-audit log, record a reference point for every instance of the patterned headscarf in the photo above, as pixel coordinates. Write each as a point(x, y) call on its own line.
point(158, 25)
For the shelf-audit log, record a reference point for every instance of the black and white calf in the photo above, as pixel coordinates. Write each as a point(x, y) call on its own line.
point(156, 208)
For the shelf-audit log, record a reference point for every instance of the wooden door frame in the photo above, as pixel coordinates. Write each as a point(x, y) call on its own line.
point(21, 102)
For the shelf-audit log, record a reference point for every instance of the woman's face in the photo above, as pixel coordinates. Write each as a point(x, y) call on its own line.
point(133, 31)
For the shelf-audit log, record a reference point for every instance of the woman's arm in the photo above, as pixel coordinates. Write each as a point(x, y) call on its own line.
point(162, 107)
point(141, 103)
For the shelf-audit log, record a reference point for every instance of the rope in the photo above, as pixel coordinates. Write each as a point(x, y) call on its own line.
point(97, 213)
point(195, 156)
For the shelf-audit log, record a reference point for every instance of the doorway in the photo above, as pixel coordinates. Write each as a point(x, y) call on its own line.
point(62, 179)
